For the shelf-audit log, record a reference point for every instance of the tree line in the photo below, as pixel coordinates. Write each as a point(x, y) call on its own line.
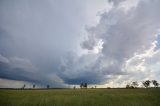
point(133, 84)
point(145, 84)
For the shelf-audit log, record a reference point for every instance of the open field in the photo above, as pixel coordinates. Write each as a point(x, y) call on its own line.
point(78, 97)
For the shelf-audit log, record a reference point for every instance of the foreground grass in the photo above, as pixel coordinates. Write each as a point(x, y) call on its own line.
point(89, 97)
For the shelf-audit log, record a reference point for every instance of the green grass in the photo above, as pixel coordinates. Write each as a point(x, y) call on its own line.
point(84, 97)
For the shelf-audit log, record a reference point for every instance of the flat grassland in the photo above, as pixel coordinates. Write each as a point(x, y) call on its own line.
point(81, 97)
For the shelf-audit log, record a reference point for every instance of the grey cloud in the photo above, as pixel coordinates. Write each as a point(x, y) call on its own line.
point(35, 37)
point(23, 70)
point(77, 70)
point(88, 68)
point(41, 32)
point(124, 34)
point(3, 59)
point(116, 2)
point(133, 33)
point(36, 26)
point(91, 41)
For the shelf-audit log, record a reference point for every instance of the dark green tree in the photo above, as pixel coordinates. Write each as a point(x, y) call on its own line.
point(135, 84)
point(23, 86)
point(48, 86)
point(155, 83)
point(85, 85)
point(81, 85)
point(34, 85)
point(146, 83)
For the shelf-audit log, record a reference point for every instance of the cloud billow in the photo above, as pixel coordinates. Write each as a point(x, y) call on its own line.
point(125, 34)
point(23, 70)
point(40, 42)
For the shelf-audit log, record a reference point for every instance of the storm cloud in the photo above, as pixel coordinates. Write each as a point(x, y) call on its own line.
point(20, 69)
point(125, 34)
point(61, 42)
point(36, 34)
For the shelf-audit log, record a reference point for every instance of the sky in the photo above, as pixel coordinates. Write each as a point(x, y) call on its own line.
point(107, 43)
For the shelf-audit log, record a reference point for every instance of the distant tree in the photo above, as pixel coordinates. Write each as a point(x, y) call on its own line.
point(85, 85)
point(146, 83)
point(23, 86)
point(130, 85)
point(127, 86)
point(95, 86)
point(34, 85)
point(134, 84)
point(155, 83)
point(81, 85)
point(48, 86)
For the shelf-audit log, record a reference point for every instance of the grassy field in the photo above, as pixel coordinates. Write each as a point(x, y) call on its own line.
point(84, 97)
